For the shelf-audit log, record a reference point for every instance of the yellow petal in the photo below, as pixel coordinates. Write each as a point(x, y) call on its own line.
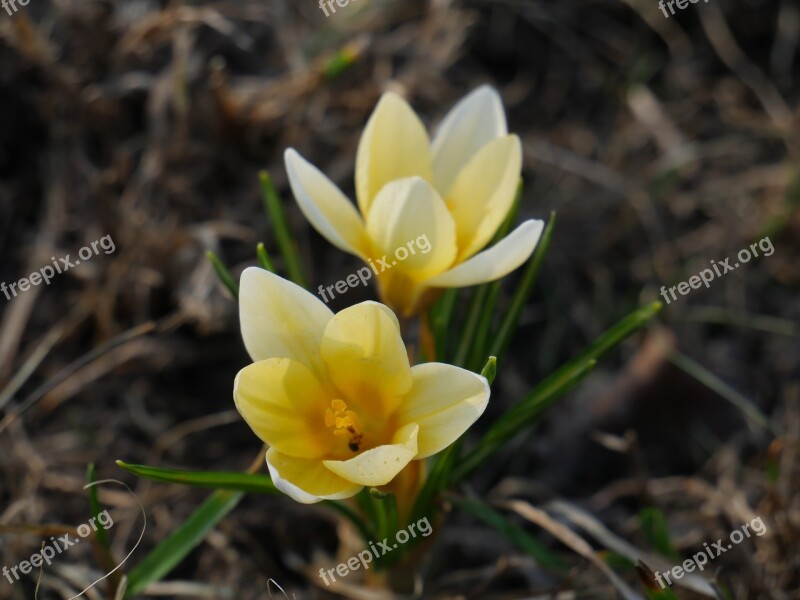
point(483, 193)
point(409, 223)
point(284, 405)
point(444, 401)
point(281, 320)
point(325, 206)
point(379, 466)
point(394, 145)
point(472, 123)
point(499, 260)
point(307, 481)
point(367, 360)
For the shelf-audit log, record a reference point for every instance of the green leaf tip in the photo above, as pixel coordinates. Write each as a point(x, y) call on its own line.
point(264, 259)
point(379, 495)
point(490, 369)
point(223, 273)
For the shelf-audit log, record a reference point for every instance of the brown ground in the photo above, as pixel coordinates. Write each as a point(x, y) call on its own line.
point(661, 143)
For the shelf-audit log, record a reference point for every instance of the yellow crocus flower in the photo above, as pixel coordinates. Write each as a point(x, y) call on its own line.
point(334, 396)
point(456, 189)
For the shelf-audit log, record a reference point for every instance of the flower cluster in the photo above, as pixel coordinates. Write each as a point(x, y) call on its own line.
point(334, 395)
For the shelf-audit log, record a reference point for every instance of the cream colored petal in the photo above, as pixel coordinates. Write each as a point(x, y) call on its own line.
point(410, 224)
point(281, 320)
point(284, 405)
point(394, 145)
point(472, 123)
point(444, 401)
point(483, 193)
point(367, 360)
point(379, 466)
point(499, 260)
point(307, 481)
point(325, 206)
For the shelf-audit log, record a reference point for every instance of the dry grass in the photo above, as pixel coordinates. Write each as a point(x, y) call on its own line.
point(662, 144)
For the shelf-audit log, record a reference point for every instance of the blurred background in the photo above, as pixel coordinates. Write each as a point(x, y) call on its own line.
point(661, 143)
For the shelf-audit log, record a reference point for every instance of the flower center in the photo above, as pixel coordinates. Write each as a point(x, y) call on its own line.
point(344, 423)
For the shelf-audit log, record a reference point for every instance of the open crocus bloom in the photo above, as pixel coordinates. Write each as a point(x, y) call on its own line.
point(334, 396)
point(457, 190)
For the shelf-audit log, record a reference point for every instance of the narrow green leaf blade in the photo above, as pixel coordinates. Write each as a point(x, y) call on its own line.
point(523, 293)
point(220, 480)
point(283, 234)
point(521, 538)
point(552, 388)
point(223, 273)
point(95, 507)
point(264, 259)
point(470, 327)
point(515, 421)
point(169, 553)
point(441, 316)
point(654, 526)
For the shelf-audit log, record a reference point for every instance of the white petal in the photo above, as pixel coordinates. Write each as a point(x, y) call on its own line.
point(307, 481)
point(406, 213)
point(380, 465)
point(325, 206)
point(394, 145)
point(445, 401)
point(475, 121)
point(483, 193)
point(499, 260)
point(281, 320)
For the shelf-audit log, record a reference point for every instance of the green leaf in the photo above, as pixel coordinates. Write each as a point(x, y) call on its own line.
point(441, 315)
point(385, 508)
point(470, 326)
point(524, 290)
point(220, 480)
point(490, 369)
point(525, 413)
point(264, 259)
point(238, 482)
point(341, 61)
point(618, 562)
point(223, 273)
point(521, 538)
point(654, 528)
point(440, 475)
point(665, 594)
point(437, 480)
point(351, 515)
point(283, 235)
point(169, 553)
point(712, 382)
point(95, 507)
point(480, 346)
